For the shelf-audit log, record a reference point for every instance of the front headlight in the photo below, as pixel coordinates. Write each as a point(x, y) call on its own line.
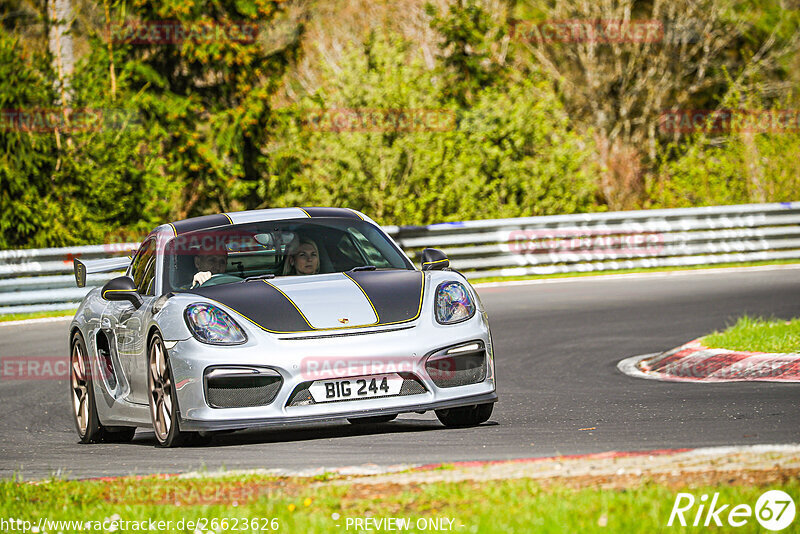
point(210, 324)
point(453, 303)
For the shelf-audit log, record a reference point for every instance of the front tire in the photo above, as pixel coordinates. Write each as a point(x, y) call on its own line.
point(465, 415)
point(163, 404)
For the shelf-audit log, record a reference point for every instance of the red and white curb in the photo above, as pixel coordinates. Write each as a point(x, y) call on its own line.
point(694, 362)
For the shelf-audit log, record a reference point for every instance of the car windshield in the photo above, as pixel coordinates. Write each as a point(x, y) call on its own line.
point(276, 248)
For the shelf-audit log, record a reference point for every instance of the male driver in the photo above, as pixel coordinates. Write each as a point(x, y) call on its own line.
point(209, 265)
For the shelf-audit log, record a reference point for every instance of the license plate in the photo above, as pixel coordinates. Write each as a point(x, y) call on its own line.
point(365, 387)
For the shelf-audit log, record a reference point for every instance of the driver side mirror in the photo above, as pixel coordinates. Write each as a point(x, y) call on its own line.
point(434, 260)
point(122, 288)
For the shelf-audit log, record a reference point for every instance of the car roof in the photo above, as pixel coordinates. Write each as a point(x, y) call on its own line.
point(273, 214)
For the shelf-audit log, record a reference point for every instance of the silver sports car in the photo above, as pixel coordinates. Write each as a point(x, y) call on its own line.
point(237, 320)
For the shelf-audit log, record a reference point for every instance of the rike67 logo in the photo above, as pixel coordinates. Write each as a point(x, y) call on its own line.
point(774, 510)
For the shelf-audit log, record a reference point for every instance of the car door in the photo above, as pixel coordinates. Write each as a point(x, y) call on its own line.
point(132, 322)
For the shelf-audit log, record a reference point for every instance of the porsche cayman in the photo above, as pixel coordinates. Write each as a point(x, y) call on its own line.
point(256, 318)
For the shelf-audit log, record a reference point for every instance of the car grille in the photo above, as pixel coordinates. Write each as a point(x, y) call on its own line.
point(302, 396)
point(242, 391)
point(455, 370)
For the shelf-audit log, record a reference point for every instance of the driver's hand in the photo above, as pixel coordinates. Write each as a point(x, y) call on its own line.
point(200, 278)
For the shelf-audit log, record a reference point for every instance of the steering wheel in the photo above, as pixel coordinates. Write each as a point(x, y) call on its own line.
point(220, 278)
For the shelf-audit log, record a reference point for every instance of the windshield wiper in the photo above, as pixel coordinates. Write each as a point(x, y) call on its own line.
point(363, 268)
point(267, 276)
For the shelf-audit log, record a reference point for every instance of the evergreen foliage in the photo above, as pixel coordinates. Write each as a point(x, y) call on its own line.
point(463, 120)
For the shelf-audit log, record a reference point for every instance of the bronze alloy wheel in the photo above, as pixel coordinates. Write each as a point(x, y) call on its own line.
point(80, 387)
point(164, 412)
point(84, 408)
point(162, 405)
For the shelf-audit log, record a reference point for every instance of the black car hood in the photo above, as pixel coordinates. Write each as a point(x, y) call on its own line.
point(324, 302)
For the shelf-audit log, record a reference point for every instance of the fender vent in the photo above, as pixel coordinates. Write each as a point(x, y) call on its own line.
point(104, 355)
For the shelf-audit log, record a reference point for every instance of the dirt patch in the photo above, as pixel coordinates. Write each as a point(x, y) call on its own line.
point(358, 494)
point(760, 464)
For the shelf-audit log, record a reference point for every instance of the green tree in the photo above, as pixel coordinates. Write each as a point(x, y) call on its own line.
point(510, 154)
point(209, 99)
point(26, 163)
point(751, 159)
point(471, 53)
point(84, 173)
point(178, 122)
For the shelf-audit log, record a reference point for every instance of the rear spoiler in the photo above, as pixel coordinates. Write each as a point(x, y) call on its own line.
point(84, 267)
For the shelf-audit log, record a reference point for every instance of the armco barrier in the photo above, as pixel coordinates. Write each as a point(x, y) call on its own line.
point(37, 280)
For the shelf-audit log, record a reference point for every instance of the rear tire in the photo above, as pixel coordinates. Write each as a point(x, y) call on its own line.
point(84, 407)
point(373, 420)
point(464, 416)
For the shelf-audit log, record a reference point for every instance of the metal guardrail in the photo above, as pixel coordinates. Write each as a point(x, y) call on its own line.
point(39, 280)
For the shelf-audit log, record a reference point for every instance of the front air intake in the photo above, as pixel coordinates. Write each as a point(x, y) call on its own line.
point(241, 387)
point(458, 366)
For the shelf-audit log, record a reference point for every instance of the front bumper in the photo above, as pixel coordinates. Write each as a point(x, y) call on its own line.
point(195, 425)
point(329, 357)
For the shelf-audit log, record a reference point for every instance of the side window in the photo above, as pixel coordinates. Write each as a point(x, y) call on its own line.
point(143, 268)
point(373, 255)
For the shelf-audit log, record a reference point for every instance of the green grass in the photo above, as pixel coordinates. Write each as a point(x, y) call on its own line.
point(503, 506)
point(758, 334)
point(36, 315)
point(628, 271)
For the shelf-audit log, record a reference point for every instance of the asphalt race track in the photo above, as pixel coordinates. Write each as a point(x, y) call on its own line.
point(557, 345)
